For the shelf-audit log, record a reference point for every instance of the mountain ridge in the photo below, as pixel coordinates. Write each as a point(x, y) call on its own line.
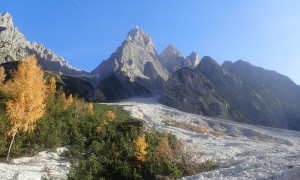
point(15, 47)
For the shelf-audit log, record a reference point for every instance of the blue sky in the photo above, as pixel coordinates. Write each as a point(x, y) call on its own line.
point(264, 32)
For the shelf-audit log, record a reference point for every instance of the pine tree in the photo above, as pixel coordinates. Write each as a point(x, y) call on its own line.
point(27, 90)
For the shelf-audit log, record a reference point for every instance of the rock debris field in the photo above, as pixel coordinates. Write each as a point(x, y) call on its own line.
point(242, 151)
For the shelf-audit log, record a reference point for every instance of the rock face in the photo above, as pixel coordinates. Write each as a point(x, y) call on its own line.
point(249, 94)
point(191, 91)
point(14, 47)
point(133, 68)
point(280, 94)
point(236, 92)
point(173, 60)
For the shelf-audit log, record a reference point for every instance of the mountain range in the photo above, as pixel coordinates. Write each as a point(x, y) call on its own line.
point(234, 90)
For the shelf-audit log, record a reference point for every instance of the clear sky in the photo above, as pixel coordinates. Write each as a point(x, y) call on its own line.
point(264, 32)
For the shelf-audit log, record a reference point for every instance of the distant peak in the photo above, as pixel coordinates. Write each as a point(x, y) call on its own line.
point(242, 62)
point(6, 20)
point(136, 31)
point(170, 46)
point(137, 36)
point(193, 53)
point(7, 15)
point(208, 63)
point(193, 60)
point(170, 49)
point(208, 59)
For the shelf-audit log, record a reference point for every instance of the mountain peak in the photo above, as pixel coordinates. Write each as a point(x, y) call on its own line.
point(192, 60)
point(208, 65)
point(138, 36)
point(209, 60)
point(6, 20)
point(171, 50)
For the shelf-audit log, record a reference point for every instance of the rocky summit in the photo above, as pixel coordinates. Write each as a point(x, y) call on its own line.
point(172, 59)
point(133, 69)
point(14, 47)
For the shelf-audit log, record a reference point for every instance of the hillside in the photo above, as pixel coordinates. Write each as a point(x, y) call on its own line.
point(241, 151)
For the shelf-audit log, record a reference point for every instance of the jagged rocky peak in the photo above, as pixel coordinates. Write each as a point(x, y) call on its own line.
point(134, 65)
point(170, 50)
point(172, 59)
point(6, 20)
point(14, 47)
point(137, 36)
point(192, 60)
point(227, 64)
point(208, 65)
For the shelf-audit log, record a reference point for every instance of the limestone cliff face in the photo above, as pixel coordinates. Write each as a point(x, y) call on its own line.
point(14, 47)
point(191, 91)
point(280, 94)
point(236, 92)
point(134, 65)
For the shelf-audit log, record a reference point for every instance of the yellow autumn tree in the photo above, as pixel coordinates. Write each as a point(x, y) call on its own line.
point(140, 148)
point(111, 115)
point(52, 85)
point(69, 101)
point(27, 90)
point(90, 108)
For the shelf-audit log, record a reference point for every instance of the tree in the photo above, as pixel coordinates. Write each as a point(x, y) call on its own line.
point(111, 115)
point(69, 102)
point(90, 108)
point(140, 148)
point(2, 75)
point(27, 90)
point(52, 85)
point(163, 151)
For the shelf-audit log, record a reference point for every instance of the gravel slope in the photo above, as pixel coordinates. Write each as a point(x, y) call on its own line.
point(45, 164)
point(242, 151)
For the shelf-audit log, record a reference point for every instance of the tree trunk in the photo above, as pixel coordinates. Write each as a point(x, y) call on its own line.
point(9, 149)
